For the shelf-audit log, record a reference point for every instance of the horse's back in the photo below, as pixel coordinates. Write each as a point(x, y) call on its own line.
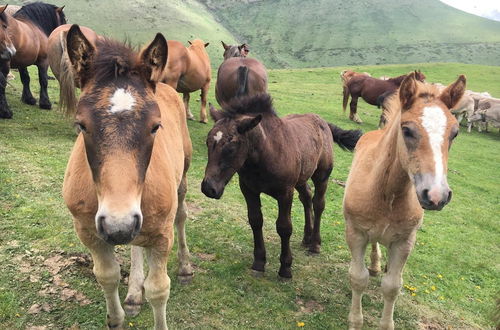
point(177, 63)
point(227, 78)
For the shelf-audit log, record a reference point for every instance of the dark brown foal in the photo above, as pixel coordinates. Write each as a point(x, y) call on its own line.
point(274, 156)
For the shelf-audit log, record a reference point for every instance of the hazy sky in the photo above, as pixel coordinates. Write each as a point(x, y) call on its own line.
point(485, 8)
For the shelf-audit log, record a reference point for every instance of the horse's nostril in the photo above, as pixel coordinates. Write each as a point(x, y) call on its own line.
point(425, 195)
point(137, 223)
point(449, 196)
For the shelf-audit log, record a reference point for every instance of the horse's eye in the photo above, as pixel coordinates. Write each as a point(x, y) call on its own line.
point(407, 132)
point(155, 128)
point(453, 135)
point(4, 26)
point(81, 127)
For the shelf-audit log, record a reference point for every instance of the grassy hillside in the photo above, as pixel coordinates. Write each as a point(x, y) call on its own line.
point(297, 33)
point(43, 262)
point(140, 20)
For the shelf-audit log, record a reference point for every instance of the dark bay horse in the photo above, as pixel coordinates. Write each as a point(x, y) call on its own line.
point(188, 70)
point(28, 30)
point(395, 174)
point(239, 76)
point(369, 88)
point(126, 176)
point(61, 66)
point(235, 50)
point(273, 155)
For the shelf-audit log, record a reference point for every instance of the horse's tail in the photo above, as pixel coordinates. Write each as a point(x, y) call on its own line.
point(242, 81)
point(346, 139)
point(67, 91)
point(346, 97)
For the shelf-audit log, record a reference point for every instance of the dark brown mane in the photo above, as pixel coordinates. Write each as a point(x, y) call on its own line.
point(113, 59)
point(249, 105)
point(397, 79)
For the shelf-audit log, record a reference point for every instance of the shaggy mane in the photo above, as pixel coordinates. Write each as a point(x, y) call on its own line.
point(113, 59)
point(249, 105)
point(42, 14)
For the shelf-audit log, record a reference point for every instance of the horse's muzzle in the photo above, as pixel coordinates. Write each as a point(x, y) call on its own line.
point(8, 53)
point(120, 230)
point(211, 190)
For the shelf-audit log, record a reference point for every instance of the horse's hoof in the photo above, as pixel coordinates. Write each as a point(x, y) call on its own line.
point(6, 115)
point(29, 100)
point(314, 250)
point(373, 272)
point(257, 273)
point(45, 106)
point(185, 279)
point(190, 118)
point(285, 273)
point(306, 242)
point(204, 121)
point(132, 308)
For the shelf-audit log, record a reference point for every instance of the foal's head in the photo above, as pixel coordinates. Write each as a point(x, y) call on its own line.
point(427, 129)
point(7, 49)
point(118, 118)
point(228, 142)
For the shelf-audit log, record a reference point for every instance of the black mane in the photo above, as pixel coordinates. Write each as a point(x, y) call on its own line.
point(249, 105)
point(42, 14)
point(113, 59)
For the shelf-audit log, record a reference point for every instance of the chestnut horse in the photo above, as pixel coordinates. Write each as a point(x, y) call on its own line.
point(235, 50)
point(61, 65)
point(188, 70)
point(239, 76)
point(369, 88)
point(274, 156)
point(28, 31)
point(395, 173)
point(126, 177)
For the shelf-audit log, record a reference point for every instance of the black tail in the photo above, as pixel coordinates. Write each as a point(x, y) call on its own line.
point(242, 81)
point(346, 139)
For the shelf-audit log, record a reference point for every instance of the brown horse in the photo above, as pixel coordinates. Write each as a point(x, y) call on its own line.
point(61, 65)
point(239, 76)
point(370, 89)
point(28, 30)
point(274, 156)
point(235, 50)
point(395, 173)
point(188, 70)
point(126, 177)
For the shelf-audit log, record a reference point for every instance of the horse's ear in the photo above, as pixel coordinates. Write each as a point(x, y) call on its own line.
point(226, 47)
point(189, 42)
point(2, 8)
point(60, 9)
point(216, 115)
point(247, 124)
point(407, 91)
point(80, 53)
point(454, 92)
point(206, 45)
point(154, 58)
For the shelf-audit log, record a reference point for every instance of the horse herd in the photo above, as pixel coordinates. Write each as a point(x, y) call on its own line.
point(125, 180)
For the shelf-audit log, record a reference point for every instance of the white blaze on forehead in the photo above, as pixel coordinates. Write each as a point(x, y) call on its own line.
point(122, 100)
point(434, 121)
point(218, 136)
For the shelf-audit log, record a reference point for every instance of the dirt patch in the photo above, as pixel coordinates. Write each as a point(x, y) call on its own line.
point(206, 256)
point(193, 209)
point(309, 306)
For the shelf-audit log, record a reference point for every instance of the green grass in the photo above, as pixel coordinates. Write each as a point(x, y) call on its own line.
point(459, 243)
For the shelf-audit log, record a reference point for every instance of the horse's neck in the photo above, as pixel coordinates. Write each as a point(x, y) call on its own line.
point(265, 137)
point(392, 178)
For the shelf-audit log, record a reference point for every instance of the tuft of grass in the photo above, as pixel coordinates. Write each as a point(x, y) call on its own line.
point(456, 249)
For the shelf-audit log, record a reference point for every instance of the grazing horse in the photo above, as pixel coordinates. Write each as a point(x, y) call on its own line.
point(235, 50)
point(274, 156)
point(28, 30)
point(126, 177)
point(188, 70)
point(395, 174)
point(369, 89)
point(61, 65)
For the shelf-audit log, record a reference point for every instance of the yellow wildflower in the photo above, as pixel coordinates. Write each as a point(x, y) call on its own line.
point(478, 287)
point(462, 278)
point(413, 294)
point(18, 315)
point(441, 298)
point(433, 288)
point(130, 324)
point(300, 324)
point(440, 276)
point(427, 291)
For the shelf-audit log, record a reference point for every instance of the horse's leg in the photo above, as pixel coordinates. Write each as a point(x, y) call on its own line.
point(203, 112)
point(256, 222)
point(5, 111)
point(157, 284)
point(305, 197)
point(353, 105)
point(284, 229)
point(320, 180)
point(133, 301)
point(392, 281)
point(358, 273)
point(26, 97)
point(44, 102)
point(185, 273)
point(375, 256)
point(107, 273)
point(185, 98)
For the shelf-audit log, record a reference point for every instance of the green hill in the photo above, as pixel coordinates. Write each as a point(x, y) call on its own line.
point(298, 33)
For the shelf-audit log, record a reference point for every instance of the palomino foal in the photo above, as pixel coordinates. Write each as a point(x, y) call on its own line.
point(395, 173)
point(126, 176)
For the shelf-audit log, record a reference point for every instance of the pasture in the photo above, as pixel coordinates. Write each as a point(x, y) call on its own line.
point(451, 278)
